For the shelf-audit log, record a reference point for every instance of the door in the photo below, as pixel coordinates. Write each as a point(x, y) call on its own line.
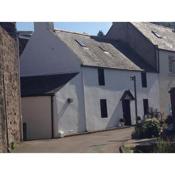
point(126, 111)
point(37, 120)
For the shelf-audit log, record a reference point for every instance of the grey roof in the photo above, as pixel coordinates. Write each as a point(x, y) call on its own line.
point(94, 53)
point(159, 35)
point(133, 56)
point(44, 85)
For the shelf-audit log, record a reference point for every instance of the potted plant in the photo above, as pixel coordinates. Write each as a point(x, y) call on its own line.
point(139, 119)
point(121, 122)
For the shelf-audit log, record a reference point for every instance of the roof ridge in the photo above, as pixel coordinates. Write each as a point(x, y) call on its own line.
point(78, 33)
point(157, 25)
point(161, 26)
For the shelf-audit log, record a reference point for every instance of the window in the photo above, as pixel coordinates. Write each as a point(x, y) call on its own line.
point(105, 51)
point(145, 106)
point(144, 79)
point(80, 43)
point(101, 78)
point(102, 48)
point(171, 64)
point(103, 107)
point(156, 34)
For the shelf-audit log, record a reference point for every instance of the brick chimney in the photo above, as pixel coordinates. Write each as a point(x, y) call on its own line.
point(40, 26)
point(10, 27)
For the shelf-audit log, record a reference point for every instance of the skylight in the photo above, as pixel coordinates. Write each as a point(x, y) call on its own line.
point(102, 49)
point(80, 43)
point(156, 34)
point(105, 51)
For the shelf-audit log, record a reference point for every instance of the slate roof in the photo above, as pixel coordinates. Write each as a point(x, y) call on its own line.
point(98, 52)
point(44, 85)
point(159, 35)
point(133, 56)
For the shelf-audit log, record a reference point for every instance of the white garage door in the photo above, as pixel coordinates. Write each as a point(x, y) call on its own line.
point(36, 113)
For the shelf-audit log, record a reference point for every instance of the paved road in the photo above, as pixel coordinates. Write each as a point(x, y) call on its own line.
point(100, 142)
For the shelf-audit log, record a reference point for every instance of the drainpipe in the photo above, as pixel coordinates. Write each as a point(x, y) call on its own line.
point(52, 115)
point(133, 78)
point(84, 109)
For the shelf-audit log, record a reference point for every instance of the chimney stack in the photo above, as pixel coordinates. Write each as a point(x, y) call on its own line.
point(40, 26)
point(10, 27)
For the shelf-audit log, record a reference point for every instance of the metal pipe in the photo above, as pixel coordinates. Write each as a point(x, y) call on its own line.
point(52, 116)
point(135, 95)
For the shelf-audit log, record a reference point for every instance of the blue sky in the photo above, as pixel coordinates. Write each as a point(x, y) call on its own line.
point(91, 28)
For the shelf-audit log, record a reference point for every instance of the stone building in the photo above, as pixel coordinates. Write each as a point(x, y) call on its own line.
point(9, 87)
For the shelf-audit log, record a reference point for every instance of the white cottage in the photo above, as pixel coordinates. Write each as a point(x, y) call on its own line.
point(74, 83)
point(156, 45)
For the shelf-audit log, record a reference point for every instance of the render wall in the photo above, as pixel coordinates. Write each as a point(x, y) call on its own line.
point(9, 91)
point(116, 83)
point(46, 54)
point(127, 33)
point(83, 114)
point(70, 117)
point(166, 81)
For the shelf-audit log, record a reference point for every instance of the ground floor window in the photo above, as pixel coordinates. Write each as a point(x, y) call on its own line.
point(145, 106)
point(103, 107)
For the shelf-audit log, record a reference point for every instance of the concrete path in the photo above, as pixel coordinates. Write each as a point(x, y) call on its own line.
point(100, 142)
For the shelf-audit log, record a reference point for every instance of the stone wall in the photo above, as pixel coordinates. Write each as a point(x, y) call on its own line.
point(9, 92)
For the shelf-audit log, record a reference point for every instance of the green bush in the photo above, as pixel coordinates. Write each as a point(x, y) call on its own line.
point(164, 146)
point(148, 129)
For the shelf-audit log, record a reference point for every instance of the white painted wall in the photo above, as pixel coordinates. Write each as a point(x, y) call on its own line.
point(116, 83)
point(84, 112)
point(69, 117)
point(166, 81)
point(36, 113)
point(46, 54)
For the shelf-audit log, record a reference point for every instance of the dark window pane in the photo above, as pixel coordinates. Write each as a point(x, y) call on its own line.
point(103, 106)
point(81, 43)
point(101, 78)
point(144, 79)
point(145, 106)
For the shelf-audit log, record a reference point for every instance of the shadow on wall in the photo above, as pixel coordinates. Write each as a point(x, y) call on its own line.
point(116, 116)
point(62, 111)
point(81, 113)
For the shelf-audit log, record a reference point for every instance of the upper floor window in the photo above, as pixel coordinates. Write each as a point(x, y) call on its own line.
point(101, 76)
point(171, 64)
point(144, 79)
